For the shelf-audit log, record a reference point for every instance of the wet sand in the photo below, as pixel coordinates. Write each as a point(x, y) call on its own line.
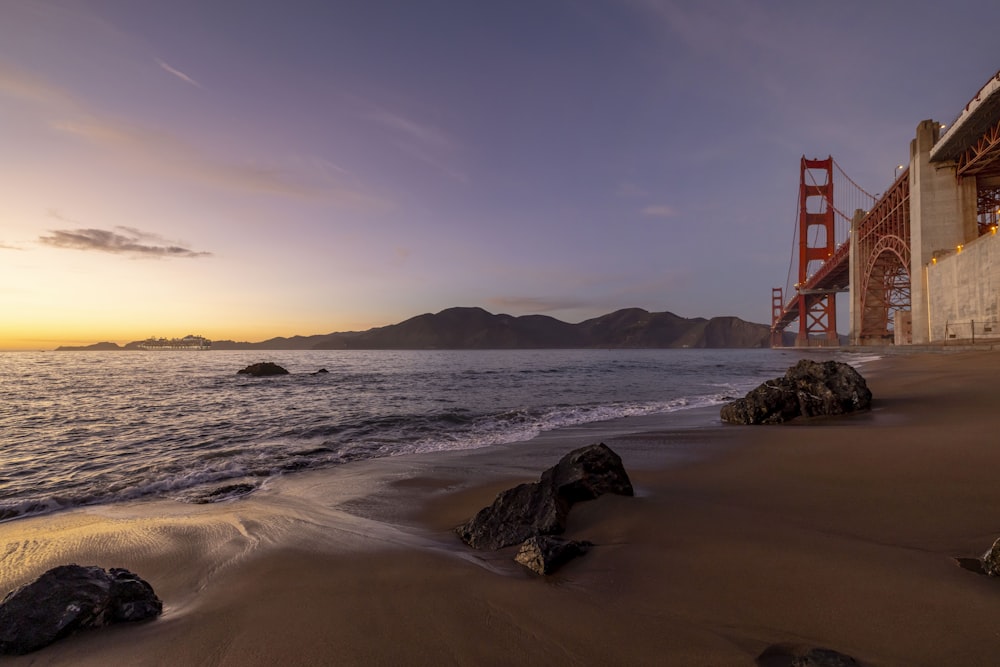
point(839, 533)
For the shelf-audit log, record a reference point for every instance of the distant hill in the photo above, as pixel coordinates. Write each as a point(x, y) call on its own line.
point(100, 347)
point(478, 329)
point(475, 328)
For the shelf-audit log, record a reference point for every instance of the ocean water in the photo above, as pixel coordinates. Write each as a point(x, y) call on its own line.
point(83, 428)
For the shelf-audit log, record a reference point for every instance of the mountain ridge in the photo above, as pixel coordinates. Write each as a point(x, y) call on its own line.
point(465, 327)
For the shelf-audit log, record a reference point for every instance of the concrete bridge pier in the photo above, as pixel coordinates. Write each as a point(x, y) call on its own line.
point(942, 217)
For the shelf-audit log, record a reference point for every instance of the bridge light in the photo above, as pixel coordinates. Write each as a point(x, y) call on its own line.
point(933, 260)
point(943, 126)
point(959, 248)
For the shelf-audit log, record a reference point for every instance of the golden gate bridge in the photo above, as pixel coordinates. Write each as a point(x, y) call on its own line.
point(848, 240)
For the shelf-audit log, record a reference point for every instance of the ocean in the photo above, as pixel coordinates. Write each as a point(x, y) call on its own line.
point(89, 428)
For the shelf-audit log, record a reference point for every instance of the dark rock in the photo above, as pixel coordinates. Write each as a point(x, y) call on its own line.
point(69, 598)
point(262, 369)
point(587, 473)
point(540, 508)
point(783, 655)
point(321, 371)
point(808, 389)
point(544, 554)
point(991, 560)
point(515, 515)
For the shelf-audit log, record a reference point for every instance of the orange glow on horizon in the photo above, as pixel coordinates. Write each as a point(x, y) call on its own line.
point(21, 338)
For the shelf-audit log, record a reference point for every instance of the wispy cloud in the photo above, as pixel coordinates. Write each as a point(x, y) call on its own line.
point(629, 191)
point(6, 246)
point(534, 304)
point(423, 134)
point(179, 74)
point(168, 155)
point(27, 88)
point(422, 141)
point(658, 211)
point(124, 241)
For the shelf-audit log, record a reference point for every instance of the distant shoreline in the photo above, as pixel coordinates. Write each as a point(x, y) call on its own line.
point(478, 329)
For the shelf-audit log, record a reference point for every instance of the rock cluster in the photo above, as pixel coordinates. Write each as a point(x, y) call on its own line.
point(540, 508)
point(262, 369)
point(69, 598)
point(808, 389)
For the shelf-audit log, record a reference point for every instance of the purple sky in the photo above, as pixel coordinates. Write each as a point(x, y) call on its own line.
point(246, 169)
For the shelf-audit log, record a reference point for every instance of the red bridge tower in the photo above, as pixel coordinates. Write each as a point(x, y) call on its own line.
point(817, 307)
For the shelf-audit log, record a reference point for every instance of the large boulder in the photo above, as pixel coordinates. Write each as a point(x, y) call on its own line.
point(516, 514)
point(541, 508)
point(544, 554)
point(808, 389)
point(263, 369)
point(587, 473)
point(69, 598)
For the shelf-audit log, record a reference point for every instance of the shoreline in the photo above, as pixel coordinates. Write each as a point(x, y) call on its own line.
point(838, 533)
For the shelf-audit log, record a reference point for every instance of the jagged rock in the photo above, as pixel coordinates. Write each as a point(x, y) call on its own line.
point(515, 515)
point(808, 389)
point(540, 508)
point(991, 560)
point(321, 371)
point(587, 473)
point(263, 369)
point(544, 554)
point(783, 655)
point(69, 598)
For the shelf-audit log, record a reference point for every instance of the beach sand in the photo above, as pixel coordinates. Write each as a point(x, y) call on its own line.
point(839, 533)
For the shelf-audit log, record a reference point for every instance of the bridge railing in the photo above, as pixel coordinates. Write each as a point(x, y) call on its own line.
point(971, 331)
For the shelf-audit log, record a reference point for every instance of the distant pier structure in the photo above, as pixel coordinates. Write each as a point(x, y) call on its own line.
point(921, 262)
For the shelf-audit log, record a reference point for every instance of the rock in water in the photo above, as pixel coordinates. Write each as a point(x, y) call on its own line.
point(68, 598)
point(798, 656)
point(540, 508)
point(808, 389)
point(262, 369)
point(544, 554)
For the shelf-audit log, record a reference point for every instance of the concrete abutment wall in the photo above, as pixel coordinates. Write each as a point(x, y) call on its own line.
point(962, 302)
point(942, 218)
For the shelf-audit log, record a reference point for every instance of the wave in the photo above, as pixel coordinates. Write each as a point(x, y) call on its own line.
point(227, 473)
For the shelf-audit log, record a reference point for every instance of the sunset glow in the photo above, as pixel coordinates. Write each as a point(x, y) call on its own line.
point(243, 171)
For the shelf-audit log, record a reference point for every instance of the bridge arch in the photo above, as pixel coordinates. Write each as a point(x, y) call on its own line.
point(884, 289)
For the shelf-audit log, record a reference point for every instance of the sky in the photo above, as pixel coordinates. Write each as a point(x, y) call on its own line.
point(244, 169)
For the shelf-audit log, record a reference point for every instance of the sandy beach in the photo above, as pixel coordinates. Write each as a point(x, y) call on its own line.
point(838, 533)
